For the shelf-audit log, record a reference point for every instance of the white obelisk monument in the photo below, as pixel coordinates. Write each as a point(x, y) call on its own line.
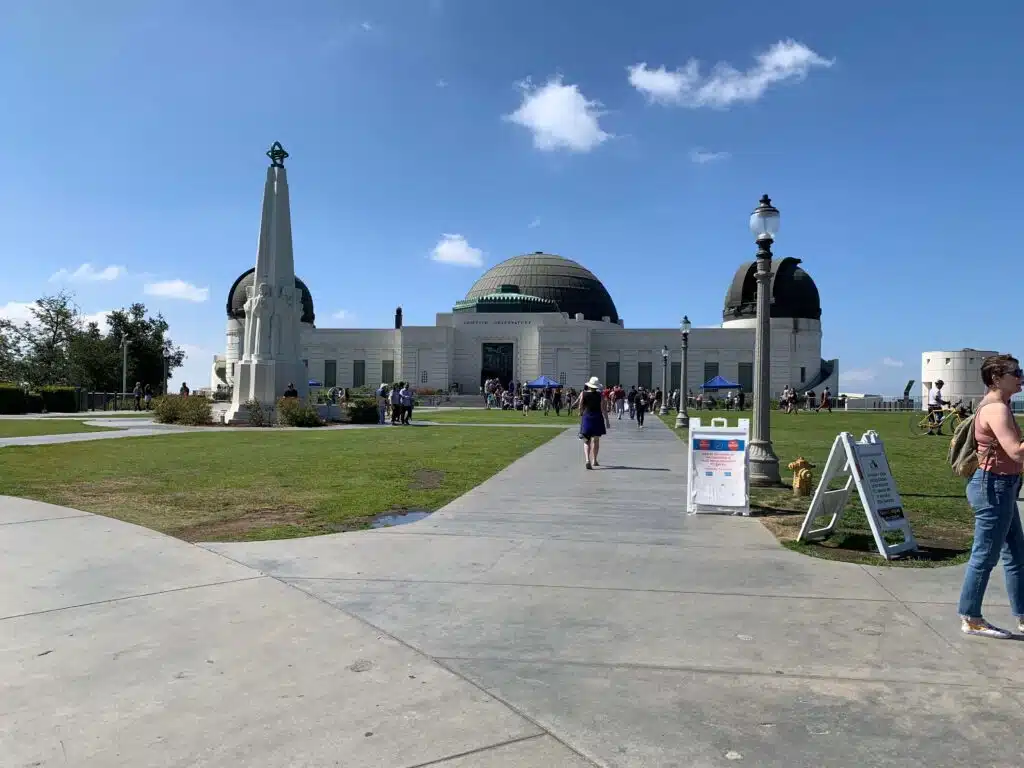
point(271, 358)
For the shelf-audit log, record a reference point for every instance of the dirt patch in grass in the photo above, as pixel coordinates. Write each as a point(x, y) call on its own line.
point(243, 525)
point(426, 480)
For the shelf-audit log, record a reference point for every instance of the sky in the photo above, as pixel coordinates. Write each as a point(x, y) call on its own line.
point(432, 139)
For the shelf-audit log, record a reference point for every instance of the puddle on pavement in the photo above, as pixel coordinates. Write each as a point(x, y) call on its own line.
point(398, 518)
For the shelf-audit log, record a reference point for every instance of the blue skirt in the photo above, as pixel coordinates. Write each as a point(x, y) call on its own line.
point(592, 425)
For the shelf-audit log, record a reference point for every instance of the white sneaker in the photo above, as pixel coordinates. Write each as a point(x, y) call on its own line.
point(981, 627)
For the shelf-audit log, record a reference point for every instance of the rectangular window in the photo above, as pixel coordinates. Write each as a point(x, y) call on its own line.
point(423, 377)
point(561, 378)
point(643, 375)
point(611, 374)
point(306, 363)
point(330, 373)
point(803, 374)
point(387, 371)
point(358, 373)
point(710, 371)
point(746, 377)
point(675, 376)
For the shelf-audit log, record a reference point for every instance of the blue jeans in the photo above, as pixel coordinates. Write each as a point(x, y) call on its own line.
point(997, 528)
point(382, 411)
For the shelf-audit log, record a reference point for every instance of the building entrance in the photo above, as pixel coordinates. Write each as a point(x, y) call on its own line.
point(497, 363)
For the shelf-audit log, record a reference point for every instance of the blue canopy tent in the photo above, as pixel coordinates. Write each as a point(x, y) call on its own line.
point(719, 382)
point(544, 382)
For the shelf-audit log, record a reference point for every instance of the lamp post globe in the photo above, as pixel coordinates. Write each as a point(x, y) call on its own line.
point(663, 411)
point(682, 415)
point(764, 464)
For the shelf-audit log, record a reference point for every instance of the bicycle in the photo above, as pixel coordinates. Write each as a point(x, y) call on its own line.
point(933, 422)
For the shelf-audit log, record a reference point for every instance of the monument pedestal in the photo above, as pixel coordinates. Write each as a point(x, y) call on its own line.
point(264, 381)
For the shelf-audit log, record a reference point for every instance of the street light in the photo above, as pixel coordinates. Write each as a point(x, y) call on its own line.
point(682, 416)
point(124, 364)
point(764, 464)
point(664, 381)
point(167, 365)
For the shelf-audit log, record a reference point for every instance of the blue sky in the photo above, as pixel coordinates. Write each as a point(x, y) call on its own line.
point(133, 136)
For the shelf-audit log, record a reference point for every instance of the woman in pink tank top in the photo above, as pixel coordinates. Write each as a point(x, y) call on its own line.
point(992, 493)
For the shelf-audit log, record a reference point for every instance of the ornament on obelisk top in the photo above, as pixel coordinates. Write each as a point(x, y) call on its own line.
point(271, 357)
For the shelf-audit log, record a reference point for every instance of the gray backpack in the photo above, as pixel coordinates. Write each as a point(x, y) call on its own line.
point(963, 448)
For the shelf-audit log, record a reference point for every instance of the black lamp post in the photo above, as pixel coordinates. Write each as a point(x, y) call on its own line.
point(167, 366)
point(682, 415)
point(764, 464)
point(664, 381)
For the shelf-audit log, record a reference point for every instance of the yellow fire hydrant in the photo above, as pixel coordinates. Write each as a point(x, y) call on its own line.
point(803, 478)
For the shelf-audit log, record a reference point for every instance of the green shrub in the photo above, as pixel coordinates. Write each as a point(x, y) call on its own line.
point(258, 417)
point(33, 402)
point(222, 395)
point(293, 412)
point(59, 399)
point(12, 399)
point(363, 410)
point(196, 411)
point(167, 409)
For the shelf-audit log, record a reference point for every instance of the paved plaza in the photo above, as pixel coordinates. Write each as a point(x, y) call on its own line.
point(550, 617)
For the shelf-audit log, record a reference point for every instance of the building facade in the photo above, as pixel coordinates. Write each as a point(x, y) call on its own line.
point(960, 371)
point(541, 314)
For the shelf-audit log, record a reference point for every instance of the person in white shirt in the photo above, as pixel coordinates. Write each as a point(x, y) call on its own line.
point(935, 404)
point(406, 404)
point(396, 403)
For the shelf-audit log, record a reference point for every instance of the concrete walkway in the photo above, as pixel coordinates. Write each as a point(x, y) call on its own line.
point(550, 617)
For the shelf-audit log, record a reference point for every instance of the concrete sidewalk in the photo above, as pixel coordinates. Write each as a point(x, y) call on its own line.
point(550, 617)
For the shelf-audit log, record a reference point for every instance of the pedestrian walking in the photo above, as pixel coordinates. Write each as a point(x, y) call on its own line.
point(992, 493)
point(592, 420)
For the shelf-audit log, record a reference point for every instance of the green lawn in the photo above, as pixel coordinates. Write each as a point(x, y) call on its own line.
point(30, 427)
point(264, 485)
point(494, 416)
point(933, 497)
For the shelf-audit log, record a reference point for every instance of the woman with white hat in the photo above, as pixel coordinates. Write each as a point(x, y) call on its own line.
point(591, 421)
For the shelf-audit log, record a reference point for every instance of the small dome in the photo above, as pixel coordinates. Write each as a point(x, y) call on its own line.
point(570, 286)
point(236, 297)
point(793, 292)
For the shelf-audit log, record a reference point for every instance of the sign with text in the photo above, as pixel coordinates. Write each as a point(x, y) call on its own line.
point(717, 475)
point(864, 464)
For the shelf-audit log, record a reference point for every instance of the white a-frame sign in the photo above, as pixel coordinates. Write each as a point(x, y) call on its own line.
point(865, 465)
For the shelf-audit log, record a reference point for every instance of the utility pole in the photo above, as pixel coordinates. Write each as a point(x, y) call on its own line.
point(124, 364)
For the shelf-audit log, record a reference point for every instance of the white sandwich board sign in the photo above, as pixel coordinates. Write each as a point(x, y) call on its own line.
point(863, 463)
point(718, 477)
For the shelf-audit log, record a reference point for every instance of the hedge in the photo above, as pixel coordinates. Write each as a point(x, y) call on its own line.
point(174, 409)
point(12, 399)
point(59, 399)
point(292, 412)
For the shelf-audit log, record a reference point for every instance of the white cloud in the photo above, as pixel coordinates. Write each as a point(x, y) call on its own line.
point(177, 289)
point(366, 26)
point(786, 60)
point(703, 156)
point(892, 362)
point(17, 311)
point(344, 314)
point(559, 117)
point(88, 273)
point(454, 249)
point(100, 318)
point(535, 223)
point(857, 375)
point(442, 83)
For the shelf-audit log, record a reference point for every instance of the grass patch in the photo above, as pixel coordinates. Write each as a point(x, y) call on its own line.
point(236, 486)
point(933, 497)
point(494, 416)
point(32, 427)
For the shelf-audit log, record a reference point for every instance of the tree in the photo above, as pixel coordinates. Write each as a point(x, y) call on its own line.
point(56, 347)
point(147, 343)
point(46, 339)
